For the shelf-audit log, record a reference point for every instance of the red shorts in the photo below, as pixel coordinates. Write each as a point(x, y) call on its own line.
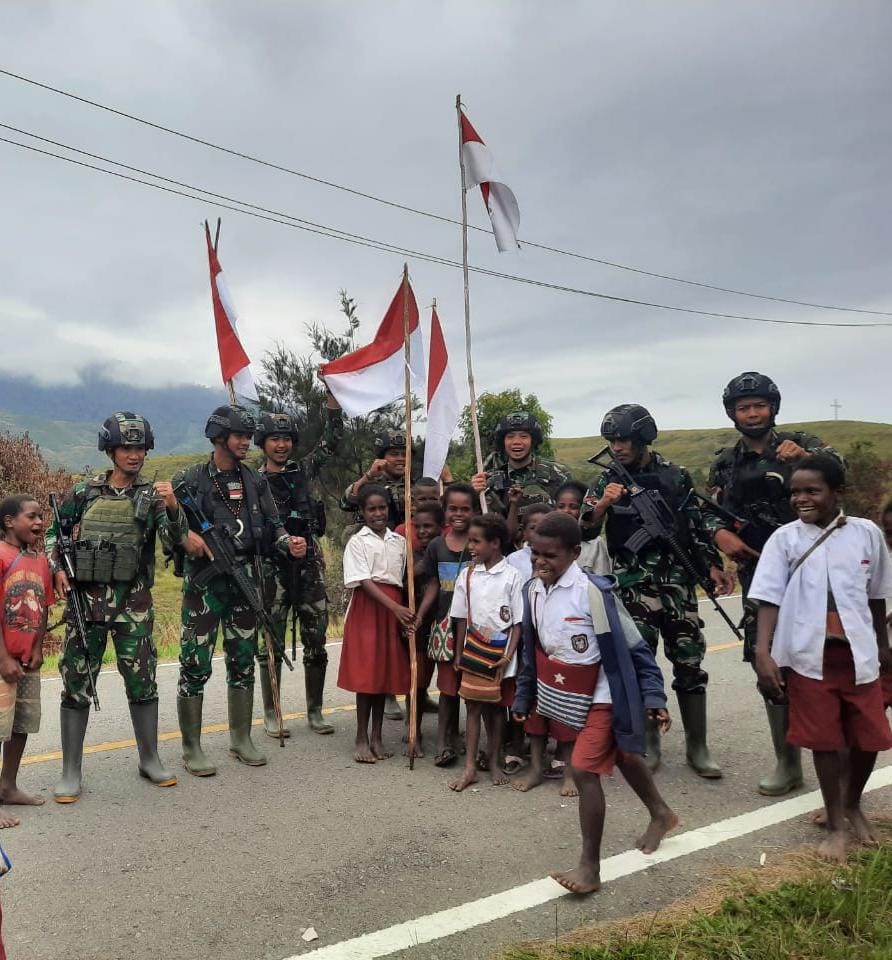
point(538, 726)
point(595, 750)
point(835, 713)
point(886, 683)
point(447, 679)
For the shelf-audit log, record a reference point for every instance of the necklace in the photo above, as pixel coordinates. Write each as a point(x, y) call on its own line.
point(227, 502)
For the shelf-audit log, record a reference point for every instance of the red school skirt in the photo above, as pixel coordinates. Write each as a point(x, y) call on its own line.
point(374, 658)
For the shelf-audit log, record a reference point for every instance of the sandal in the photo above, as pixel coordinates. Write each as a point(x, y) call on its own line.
point(445, 758)
point(555, 770)
point(512, 765)
point(482, 762)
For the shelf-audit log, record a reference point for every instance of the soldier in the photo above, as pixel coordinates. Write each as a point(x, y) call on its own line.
point(658, 592)
point(114, 519)
point(234, 496)
point(752, 480)
point(515, 463)
point(389, 471)
point(299, 585)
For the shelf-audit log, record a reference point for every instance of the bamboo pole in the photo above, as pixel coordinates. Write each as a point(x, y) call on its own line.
point(412, 699)
point(478, 449)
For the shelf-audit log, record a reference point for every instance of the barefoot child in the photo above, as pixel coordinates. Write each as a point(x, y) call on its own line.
point(25, 594)
point(822, 583)
point(374, 661)
point(487, 607)
point(586, 666)
point(446, 556)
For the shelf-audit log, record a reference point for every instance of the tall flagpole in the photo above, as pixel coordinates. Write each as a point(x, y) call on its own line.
point(478, 450)
point(228, 383)
point(412, 700)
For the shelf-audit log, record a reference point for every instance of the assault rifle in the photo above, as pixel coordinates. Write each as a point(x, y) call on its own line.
point(657, 523)
point(221, 543)
point(75, 600)
point(745, 529)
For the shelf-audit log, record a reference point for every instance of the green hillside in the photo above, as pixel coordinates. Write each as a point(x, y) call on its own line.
point(695, 449)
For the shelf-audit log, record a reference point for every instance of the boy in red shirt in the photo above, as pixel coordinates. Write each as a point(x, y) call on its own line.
point(25, 594)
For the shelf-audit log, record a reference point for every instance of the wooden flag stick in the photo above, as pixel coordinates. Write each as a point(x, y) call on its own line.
point(478, 449)
point(412, 699)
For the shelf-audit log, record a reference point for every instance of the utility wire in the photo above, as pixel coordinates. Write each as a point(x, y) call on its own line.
point(426, 213)
point(287, 220)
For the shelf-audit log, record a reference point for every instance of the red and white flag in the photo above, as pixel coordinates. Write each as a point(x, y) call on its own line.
point(480, 170)
point(374, 375)
point(442, 403)
point(234, 363)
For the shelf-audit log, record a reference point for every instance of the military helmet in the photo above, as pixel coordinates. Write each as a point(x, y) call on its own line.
point(271, 424)
point(519, 420)
point(389, 440)
point(229, 419)
point(126, 429)
point(629, 421)
point(751, 384)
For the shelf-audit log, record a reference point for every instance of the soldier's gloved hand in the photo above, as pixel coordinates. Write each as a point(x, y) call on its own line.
point(164, 489)
point(61, 584)
point(723, 580)
point(789, 451)
point(195, 546)
point(478, 481)
point(732, 546)
point(297, 547)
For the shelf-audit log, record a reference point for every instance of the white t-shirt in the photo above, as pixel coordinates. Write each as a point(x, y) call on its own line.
point(562, 617)
point(370, 557)
point(854, 562)
point(522, 561)
point(496, 600)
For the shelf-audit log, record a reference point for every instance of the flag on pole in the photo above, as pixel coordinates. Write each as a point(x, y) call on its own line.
point(442, 403)
point(374, 375)
point(480, 170)
point(234, 363)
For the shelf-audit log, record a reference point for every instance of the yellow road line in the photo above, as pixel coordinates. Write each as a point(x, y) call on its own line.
point(222, 727)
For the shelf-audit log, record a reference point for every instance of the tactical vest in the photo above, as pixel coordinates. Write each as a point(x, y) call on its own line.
point(111, 538)
point(299, 513)
point(254, 536)
point(667, 481)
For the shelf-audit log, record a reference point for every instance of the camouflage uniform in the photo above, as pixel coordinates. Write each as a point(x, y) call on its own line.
point(658, 592)
point(123, 609)
point(205, 608)
point(540, 480)
point(756, 487)
point(300, 584)
point(396, 505)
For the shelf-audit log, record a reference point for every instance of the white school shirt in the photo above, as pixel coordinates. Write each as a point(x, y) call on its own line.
point(496, 600)
point(370, 557)
point(522, 561)
point(562, 617)
point(853, 562)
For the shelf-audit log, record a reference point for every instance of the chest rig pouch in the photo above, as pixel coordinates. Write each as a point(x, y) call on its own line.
point(111, 539)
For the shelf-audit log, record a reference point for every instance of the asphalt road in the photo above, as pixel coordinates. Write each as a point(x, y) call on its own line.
point(242, 863)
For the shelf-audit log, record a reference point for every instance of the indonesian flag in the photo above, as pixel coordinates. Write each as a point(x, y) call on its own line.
point(234, 363)
point(442, 403)
point(374, 375)
point(480, 170)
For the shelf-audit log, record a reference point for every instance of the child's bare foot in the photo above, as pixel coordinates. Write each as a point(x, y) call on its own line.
point(498, 777)
point(819, 818)
point(20, 798)
point(526, 783)
point(568, 787)
point(861, 828)
point(363, 752)
point(833, 848)
point(379, 752)
point(7, 823)
point(584, 879)
point(659, 826)
point(464, 781)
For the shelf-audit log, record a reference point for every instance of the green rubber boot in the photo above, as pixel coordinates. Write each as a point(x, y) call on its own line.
point(189, 716)
point(270, 723)
point(652, 745)
point(145, 728)
point(73, 725)
point(314, 682)
point(692, 707)
point(240, 703)
point(787, 774)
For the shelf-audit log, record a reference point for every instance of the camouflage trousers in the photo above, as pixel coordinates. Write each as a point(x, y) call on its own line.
point(125, 611)
point(299, 587)
point(202, 614)
point(670, 610)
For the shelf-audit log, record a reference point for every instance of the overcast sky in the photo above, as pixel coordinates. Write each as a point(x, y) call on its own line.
point(743, 144)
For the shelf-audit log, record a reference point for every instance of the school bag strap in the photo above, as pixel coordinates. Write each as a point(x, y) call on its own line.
point(12, 566)
point(840, 521)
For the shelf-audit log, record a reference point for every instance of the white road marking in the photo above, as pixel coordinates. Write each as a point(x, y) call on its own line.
point(445, 923)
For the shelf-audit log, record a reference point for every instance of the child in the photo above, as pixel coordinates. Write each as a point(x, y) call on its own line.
point(446, 556)
point(579, 641)
point(427, 523)
point(26, 592)
point(374, 661)
point(487, 607)
point(593, 555)
point(529, 520)
point(425, 491)
point(821, 583)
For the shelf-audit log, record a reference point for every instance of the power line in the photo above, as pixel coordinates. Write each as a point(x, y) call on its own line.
point(426, 213)
point(252, 210)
